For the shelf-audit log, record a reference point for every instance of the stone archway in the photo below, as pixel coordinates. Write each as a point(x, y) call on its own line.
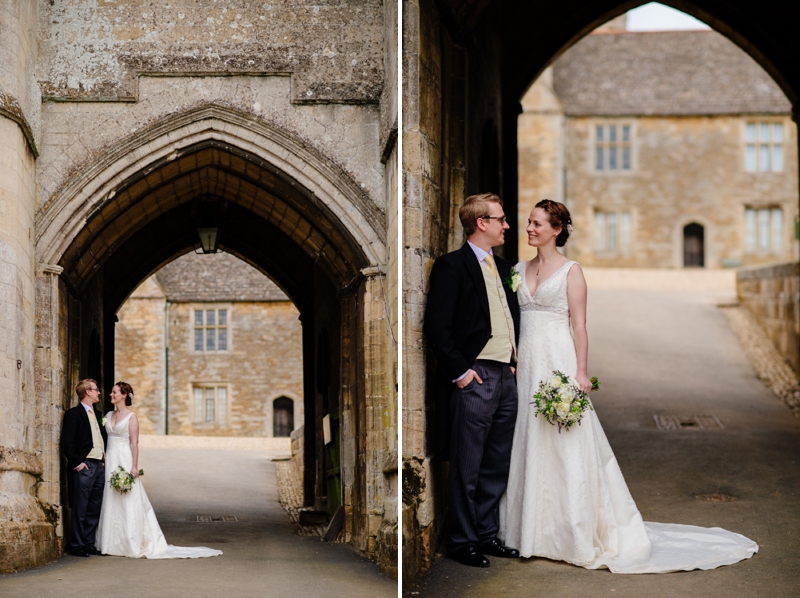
point(476, 60)
point(283, 207)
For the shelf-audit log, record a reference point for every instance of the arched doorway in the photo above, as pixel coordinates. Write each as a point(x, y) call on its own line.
point(283, 208)
point(282, 417)
point(693, 246)
point(491, 53)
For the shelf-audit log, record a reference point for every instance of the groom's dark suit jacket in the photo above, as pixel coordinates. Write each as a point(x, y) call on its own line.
point(458, 326)
point(76, 441)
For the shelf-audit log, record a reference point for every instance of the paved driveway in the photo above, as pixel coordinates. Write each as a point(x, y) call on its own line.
point(673, 353)
point(262, 557)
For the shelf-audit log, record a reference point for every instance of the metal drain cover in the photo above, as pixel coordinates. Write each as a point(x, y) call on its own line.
point(211, 518)
point(688, 422)
point(716, 497)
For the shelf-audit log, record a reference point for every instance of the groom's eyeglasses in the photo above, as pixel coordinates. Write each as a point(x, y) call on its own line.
point(501, 219)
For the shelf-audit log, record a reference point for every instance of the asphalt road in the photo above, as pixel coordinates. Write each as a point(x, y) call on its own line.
point(262, 556)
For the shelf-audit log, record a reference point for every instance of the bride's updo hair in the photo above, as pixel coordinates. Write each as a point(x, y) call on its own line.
point(127, 390)
point(559, 218)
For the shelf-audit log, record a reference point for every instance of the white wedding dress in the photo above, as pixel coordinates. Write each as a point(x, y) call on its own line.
point(128, 525)
point(566, 498)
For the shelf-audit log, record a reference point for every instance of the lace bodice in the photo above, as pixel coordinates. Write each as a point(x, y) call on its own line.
point(122, 428)
point(551, 294)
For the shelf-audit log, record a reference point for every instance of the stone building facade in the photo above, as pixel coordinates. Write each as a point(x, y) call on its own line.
point(671, 149)
point(234, 359)
point(128, 125)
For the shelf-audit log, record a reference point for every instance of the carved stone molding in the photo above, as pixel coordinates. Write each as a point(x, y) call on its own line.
point(52, 269)
point(96, 183)
point(10, 108)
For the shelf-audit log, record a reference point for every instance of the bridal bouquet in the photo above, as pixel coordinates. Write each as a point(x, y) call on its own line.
point(561, 400)
point(122, 481)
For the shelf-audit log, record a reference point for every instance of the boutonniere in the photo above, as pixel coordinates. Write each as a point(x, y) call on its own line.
point(513, 280)
point(102, 420)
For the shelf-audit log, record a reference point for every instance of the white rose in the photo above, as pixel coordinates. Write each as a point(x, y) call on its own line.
point(563, 409)
point(567, 394)
point(555, 381)
point(516, 279)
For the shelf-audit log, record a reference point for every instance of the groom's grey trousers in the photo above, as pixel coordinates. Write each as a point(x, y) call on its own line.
point(483, 418)
point(86, 504)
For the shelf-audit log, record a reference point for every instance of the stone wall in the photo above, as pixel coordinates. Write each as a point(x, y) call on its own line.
point(772, 293)
point(540, 134)
point(684, 169)
point(422, 241)
point(688, 169)
point(111, 74)
point(28, 507)
point(97, 51)
point(139, 356)
point(264, 362)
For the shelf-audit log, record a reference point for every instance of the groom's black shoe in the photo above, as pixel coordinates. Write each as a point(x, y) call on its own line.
point(78, 552)
point(495, 548)
point(93, 550)
point(470, 557)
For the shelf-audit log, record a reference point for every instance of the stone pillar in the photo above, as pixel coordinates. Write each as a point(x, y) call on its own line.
point(50, 367)
point(381, 419)
point(428, 205)
point(351, 422)
point(26, 534)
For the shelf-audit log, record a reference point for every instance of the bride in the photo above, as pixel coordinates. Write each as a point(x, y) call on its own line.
point(566, 498)
point(128, 525)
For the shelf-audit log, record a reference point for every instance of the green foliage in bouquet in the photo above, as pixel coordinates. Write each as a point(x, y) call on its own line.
point(122, 481)
point(561, 401)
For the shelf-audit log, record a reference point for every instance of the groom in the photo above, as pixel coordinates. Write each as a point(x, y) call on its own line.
point(83, 442)
point(472, 325)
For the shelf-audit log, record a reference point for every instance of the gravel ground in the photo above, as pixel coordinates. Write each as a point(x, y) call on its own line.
point(770, 366)
point(290, 494)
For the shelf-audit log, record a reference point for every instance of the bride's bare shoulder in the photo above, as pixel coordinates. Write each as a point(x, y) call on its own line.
point(575, 273)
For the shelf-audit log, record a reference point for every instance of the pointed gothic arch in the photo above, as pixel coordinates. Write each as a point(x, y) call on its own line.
point(283, 207)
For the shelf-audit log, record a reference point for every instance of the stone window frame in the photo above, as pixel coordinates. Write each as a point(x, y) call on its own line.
point(193, 308)
point(624, 234)
point(760, 218)
point(619, 144)
point(753, 162)
point(203, 411)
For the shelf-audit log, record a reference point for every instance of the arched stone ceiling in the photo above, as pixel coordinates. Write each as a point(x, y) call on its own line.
point(167, 237)
point(269, 220)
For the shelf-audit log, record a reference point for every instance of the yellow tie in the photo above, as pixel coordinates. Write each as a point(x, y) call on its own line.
point(490, 263)
point(97, 439)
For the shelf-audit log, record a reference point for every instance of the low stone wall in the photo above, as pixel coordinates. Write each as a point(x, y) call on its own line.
point(772, 293)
